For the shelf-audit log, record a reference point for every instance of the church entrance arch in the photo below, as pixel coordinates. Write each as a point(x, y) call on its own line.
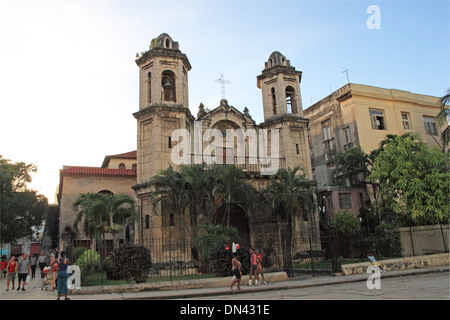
point(238, 220)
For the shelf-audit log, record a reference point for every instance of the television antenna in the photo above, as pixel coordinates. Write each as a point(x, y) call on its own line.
point(346, 72)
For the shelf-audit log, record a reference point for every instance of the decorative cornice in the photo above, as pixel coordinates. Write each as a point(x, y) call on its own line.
point(163, 107)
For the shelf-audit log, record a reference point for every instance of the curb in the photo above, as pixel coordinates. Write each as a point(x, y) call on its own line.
point(214, 287)
point(207, 283)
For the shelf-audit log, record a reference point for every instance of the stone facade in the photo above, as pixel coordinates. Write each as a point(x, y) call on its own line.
point(163, 108)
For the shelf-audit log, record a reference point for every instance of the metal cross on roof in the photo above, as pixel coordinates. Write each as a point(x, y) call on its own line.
point(222, 82)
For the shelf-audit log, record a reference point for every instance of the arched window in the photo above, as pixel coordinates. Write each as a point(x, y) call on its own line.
point(274, 101)
point(134, 167)
point(149, 78)
point(106, 192)
point(122, 166)
point(290, 100)
point(168, 86)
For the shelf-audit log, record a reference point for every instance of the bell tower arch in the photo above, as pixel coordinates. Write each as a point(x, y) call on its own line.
point(280, 87)
point(163, 74)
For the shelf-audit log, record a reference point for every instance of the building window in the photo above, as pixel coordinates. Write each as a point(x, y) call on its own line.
point(149, 76)
point(122, 166)
point(326, 130)
point(405, 121)
point(348, 139)
point(345, 201)
point(134, 167)
point(147, 221)
point(290, 100)
point(347, 135)
point(430, 125)
point(274, 101)
point(168, 86)
point(168, 213)
point(377, 119)
point(297, 148)
point(309, 139)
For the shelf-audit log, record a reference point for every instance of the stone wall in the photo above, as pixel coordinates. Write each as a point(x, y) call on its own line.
point(419, 262)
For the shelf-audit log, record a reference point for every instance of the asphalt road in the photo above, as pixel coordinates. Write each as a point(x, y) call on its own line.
point(433, 286)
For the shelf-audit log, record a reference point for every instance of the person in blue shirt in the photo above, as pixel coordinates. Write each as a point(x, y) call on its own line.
point(62, 275)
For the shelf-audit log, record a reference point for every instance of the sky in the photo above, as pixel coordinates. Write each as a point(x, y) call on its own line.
point(69, 81)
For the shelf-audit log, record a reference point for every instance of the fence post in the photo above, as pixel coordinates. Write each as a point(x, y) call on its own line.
point(443, 238)
point(170, 260)
point(311, 255)
point(334, 248)
point(412, 241)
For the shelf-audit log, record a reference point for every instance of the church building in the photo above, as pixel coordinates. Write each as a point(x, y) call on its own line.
point(281, 140)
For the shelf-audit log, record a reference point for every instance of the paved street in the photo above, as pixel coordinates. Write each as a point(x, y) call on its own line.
point(418, 287)
point(405, 285)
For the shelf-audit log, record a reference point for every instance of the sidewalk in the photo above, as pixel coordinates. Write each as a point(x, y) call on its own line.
point(33, 291)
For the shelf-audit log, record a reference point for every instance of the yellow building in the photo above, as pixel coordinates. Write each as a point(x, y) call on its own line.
point(360, 115)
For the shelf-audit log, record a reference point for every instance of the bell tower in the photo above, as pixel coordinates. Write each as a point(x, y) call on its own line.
point(163, 108)
point(280, 87)
point(163, 74)
point(163, 104)
point(282, 105)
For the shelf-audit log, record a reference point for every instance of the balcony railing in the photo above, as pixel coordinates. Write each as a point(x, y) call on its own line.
point(249, 164)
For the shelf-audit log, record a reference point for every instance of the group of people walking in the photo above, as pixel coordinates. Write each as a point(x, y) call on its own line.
point(255, 269)
point(24, 268)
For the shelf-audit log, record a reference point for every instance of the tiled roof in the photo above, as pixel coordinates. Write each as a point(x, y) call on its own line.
point(95, 171)
point(126, 155)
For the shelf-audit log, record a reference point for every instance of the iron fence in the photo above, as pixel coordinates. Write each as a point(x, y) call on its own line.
point(304, 253)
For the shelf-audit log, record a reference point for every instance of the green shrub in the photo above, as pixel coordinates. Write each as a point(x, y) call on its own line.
point(220, 261)
point(78, 252)
point(110, 273)
point(346, 222)
point(131, 261)
point(88, 261)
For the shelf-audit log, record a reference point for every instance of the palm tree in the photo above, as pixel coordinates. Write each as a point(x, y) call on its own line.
point(198, 185)
point(93, 220)
point(118, 208)
point(168, 186)
point(231, 189)
point(352, 166)
point(103, 213)
point(289, 193)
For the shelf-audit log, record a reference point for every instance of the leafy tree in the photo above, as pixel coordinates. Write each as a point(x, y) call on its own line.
point(442, 120)
point(352, 168)
point(22, 209)
point(346, 222)
point(413, 180)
